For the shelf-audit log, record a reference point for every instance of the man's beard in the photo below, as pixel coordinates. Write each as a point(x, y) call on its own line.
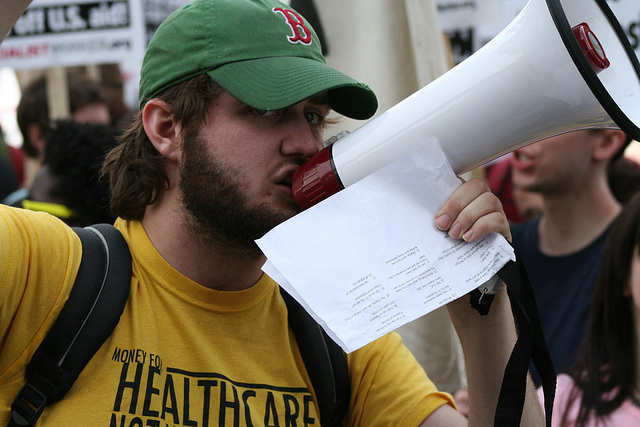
point(218, 213)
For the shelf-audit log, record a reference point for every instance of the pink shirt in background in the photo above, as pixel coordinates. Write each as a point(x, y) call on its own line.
point(626, 415)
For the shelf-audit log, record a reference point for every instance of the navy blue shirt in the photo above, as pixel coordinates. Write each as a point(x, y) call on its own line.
point(563, 287)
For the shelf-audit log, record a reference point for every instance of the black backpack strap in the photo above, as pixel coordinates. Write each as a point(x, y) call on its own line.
point(87, 319)
point(325, 363)
point(530, 345)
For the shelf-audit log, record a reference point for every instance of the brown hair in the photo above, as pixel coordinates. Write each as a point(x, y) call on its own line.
point(134, 168)
point(605, 376)
point(34, 109)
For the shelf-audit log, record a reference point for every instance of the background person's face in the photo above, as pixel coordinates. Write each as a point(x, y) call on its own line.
point(554, 165)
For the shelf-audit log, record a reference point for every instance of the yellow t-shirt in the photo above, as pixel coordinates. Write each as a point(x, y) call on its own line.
point(182, 354)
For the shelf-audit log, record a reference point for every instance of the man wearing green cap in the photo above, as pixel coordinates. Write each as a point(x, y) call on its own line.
point(233, 98)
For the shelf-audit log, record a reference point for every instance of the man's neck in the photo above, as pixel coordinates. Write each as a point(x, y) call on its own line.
point(570, 223)
point(187, 254)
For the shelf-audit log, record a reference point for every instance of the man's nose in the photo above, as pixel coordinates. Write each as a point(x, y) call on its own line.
point(300, 139)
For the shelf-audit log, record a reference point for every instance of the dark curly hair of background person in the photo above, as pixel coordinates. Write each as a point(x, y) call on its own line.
point(74, 153)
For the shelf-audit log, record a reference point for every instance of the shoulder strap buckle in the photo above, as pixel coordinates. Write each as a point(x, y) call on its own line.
point(28, 405)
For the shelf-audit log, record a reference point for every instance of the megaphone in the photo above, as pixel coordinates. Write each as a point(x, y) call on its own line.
point(559, 66)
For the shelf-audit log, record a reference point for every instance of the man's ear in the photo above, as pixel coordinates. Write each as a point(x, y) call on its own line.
point(161, 128)
point(610, 142)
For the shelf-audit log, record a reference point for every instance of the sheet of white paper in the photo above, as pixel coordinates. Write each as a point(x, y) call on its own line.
point(369, 259)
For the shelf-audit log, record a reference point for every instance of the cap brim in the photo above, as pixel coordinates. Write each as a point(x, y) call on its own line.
point(278, 82)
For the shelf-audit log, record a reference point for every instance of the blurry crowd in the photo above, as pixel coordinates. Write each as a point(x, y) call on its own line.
point(57, 168)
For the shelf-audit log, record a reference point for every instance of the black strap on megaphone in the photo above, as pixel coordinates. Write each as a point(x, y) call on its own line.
point(530, 345)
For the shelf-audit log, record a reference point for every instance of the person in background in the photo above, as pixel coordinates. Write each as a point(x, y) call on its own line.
point(87, 104)
point(15, 157)
point(603, 387)
point(519, 205)
point(562, 247)
point(580, 180)
point(624, 177)
point(8, 176)
point(8, 181)
point(69, 185)
point(112, 81)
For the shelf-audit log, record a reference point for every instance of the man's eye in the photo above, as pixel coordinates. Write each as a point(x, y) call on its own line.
point(313, 118)
point(266, 113)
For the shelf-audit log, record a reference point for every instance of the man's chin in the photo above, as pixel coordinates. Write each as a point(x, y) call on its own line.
point(282, 216)
point(290, 210)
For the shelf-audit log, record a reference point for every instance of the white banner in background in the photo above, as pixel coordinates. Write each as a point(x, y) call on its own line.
point(469, 28)
point(455, 14)
point(156, 11)
point(75, 32)
point(628, 14)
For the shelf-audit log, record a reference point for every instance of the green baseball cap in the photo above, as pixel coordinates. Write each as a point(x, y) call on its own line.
point(261, 51)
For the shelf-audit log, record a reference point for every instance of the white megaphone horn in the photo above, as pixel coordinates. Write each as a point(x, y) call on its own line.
point(560, 66)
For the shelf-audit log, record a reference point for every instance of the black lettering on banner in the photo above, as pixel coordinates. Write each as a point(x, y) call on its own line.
point(461, 43)
point(59, 19)
point(633, 33)
point(33, 21)
point(156, 11)
point(456, 5)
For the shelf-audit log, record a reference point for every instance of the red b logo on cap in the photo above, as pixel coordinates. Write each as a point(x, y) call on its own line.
point(300, 31)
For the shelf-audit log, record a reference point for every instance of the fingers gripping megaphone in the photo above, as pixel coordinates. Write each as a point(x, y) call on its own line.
point(559, 66)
